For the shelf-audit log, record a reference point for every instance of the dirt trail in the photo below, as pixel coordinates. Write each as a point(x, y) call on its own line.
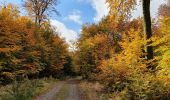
point(50, 95)
point(74, 93)
point(73, 90)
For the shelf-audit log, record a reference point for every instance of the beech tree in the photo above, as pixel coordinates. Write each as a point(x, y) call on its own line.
point(39, 8)
point(122, 9)
point(28, 50)
point(148, 29)
point(164, 9)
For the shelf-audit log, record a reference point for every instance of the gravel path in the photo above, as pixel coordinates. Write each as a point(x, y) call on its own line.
point(52, 93)
point(74, 93)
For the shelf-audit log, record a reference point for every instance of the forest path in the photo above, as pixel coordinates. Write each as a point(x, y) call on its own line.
point(63, 90)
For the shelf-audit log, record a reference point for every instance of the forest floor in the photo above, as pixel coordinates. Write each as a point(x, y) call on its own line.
point(63, 90)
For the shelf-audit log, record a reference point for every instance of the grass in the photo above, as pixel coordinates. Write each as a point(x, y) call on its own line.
point(63, 93)
point(26, 90)
point(92, 91)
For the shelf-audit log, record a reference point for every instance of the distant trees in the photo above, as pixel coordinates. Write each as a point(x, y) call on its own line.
point(97, 42)
point(40, 9)
point(164, 9)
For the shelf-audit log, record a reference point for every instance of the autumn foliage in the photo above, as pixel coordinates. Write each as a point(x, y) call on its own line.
point(114, 53)
point(27, 50)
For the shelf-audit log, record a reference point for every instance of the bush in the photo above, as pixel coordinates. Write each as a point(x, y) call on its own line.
point(7, 77)
point(27, 89)
point(22, 90)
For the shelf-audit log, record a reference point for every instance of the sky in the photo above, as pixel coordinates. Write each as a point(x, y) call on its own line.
point(75, 13)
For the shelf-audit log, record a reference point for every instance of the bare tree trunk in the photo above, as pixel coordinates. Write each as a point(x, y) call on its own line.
point(36, 19)
point(147, 28)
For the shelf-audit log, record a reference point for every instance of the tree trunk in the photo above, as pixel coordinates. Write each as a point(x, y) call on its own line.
point(147, 28)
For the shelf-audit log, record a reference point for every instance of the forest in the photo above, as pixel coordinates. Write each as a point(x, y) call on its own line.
point(118, 58)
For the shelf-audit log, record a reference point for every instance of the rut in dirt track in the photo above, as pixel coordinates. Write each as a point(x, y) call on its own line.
point(73, 90)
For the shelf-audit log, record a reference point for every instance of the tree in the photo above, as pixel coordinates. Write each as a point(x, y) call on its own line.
point(39, 8)
point(27, 50)
point(97, 42)
point(147, 28)
point(164, 9)
point(161, 41)
point(121, 9)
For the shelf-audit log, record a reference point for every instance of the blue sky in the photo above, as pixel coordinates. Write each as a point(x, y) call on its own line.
point(75, 13)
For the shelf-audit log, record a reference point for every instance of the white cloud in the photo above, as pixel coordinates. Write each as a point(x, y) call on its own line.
point(75, 17)
point(154, 8)
point(65, 32)
point(101, 8)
